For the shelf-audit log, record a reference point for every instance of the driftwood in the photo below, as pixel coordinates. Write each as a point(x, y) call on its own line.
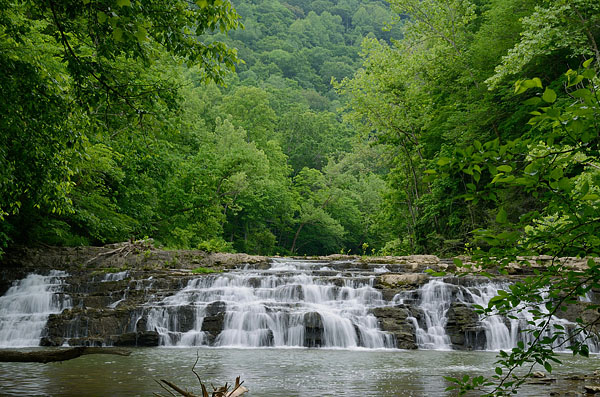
point(124, 249)
point(222, 391)
point(47, 356)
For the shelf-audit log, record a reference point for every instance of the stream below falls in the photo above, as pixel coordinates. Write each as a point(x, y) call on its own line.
point(271, 372)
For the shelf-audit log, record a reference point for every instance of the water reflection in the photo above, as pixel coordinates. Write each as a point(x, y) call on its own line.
point(267, 372)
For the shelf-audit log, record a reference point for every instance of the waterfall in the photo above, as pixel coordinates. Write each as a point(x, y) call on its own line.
point(435, 300)
point(25, 308)
point(500, 333)
point(120, 276)
point(115, 276)
point(293, 304)
point(288, 303)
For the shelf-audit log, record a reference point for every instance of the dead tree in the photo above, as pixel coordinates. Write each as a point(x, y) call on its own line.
point(222, 391)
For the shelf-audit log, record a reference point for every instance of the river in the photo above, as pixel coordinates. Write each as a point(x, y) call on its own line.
point(270, 372)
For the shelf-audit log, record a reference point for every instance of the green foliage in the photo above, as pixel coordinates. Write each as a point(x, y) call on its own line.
point(75, 73)
point(558, 163)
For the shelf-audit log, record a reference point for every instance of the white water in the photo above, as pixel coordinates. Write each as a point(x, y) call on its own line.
point(289, 305)
point(115, 276)
point(501, 333)
point(292, 304)
point(435, 300)
point(25, 308)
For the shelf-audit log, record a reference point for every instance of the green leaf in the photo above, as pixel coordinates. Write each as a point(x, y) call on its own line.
point(565, 184)
point(141, 34)
point(588, 74)
point(548, 366)
point(505, 168)
point(578, 79)
point(118, 34)
point(443, 161)
point(124, 3)
point(502, 216)
point(588, 62)
point(549, 95)
point(590, 196)
point(533, 101)
point(584, 189)
point(581, 93)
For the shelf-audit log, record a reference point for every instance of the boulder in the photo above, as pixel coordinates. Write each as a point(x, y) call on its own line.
point(402, 281)
point(313, 330)
point(395, 320)
point(213, 321)
point(462, 321)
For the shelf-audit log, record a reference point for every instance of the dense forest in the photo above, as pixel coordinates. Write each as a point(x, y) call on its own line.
point(355, 126)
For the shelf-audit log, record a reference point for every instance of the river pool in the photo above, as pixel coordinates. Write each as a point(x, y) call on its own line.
point(270, 372)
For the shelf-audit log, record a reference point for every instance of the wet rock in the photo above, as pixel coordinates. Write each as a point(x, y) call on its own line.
point(462, 320)
point(185, 317)
point(53, 341)
point(394, 320)
point(88, 323)
point(313, 330)
point(591, 389)
point(213, 321)
point(96, 302)
point(142, 339)
point(402, 281)
point(127, 339)
point(584, 310)
point(147, 338)
point(89, 341)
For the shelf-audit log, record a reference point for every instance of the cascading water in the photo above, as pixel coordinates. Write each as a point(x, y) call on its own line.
point(292, 304)
point(25, 308)
point(117, 277)
point(435, 300)
point(501, 333)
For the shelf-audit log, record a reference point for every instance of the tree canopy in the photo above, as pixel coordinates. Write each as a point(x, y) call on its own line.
point(113, 127)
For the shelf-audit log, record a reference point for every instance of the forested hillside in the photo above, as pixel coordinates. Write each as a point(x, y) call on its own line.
point(489, 110)
point(337, 131)
point(105, 146)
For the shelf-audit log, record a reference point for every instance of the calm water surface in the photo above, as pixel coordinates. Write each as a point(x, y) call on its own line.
point(268, 372)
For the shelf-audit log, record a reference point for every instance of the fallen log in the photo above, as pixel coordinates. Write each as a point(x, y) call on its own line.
point(59, 354)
